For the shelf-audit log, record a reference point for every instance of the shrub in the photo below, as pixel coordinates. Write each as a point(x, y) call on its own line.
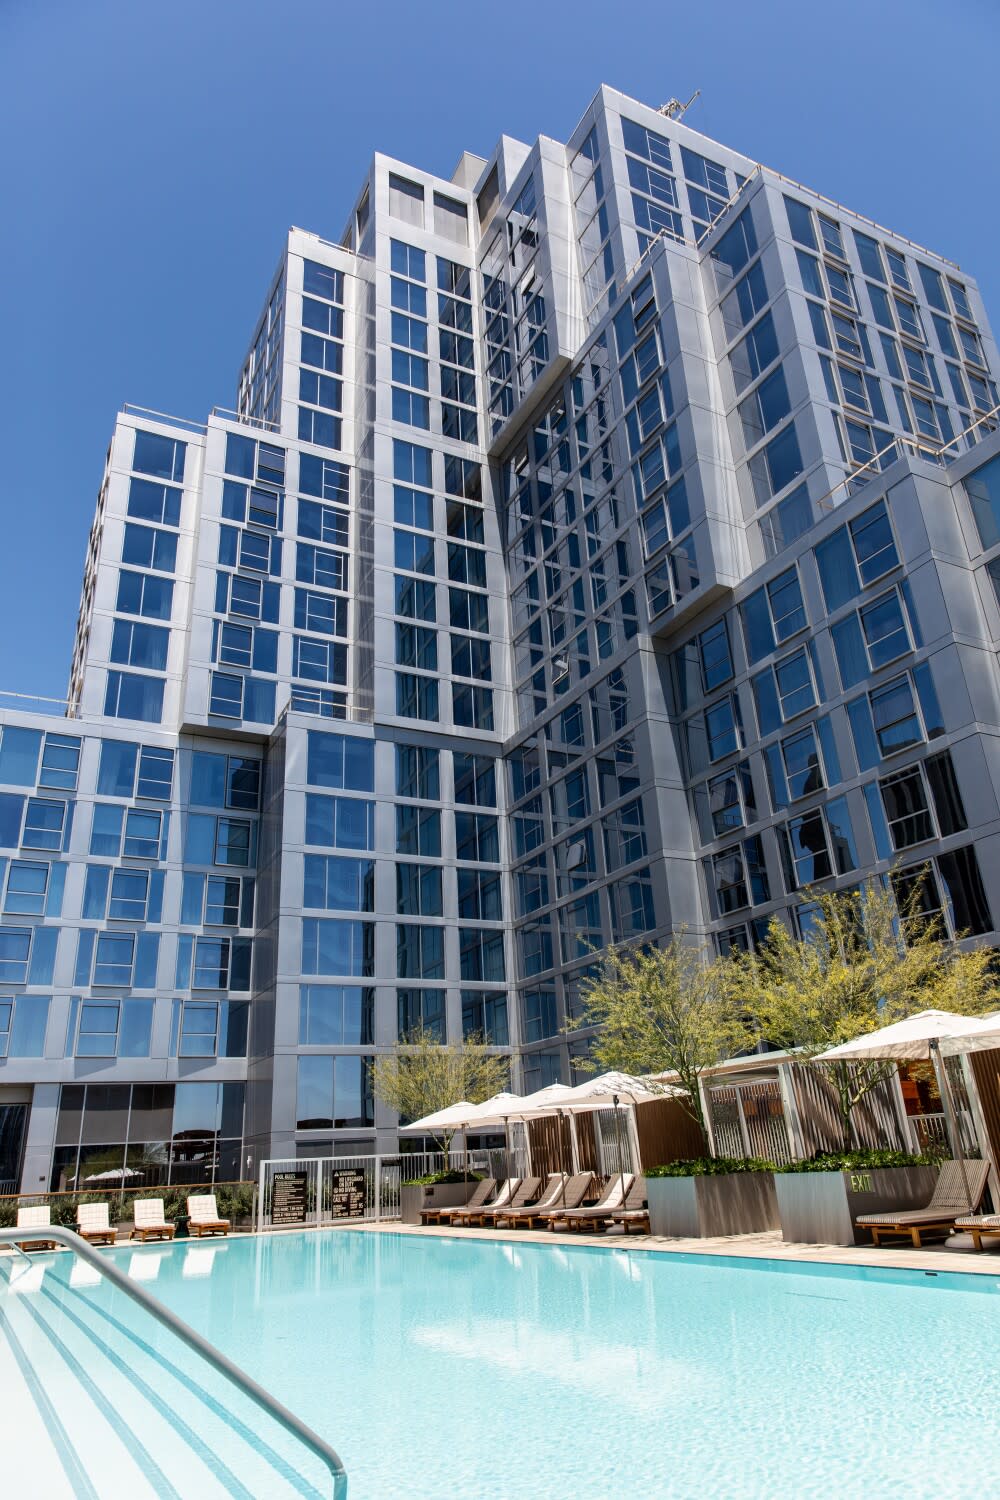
point(711, 1166)
point(852, 1161)
point(434, 1178)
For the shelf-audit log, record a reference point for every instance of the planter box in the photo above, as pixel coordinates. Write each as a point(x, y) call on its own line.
point(702, 1207)
point(434, 1195)
point(819, 1208)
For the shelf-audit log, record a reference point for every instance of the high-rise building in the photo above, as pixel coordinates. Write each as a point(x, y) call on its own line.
point(606, 540)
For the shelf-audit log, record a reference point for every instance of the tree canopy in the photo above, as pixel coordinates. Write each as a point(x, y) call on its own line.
point(422, 1076)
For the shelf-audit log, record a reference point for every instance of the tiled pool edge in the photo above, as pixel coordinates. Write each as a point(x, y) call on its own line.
point(763, 1247)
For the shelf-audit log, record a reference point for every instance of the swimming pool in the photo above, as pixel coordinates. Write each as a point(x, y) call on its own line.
point(460, 1366)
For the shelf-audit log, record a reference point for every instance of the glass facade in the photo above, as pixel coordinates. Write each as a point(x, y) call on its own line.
point(603, 544)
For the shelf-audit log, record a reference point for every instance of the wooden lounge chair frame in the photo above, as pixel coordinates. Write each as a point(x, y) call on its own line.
point(37, 1216)
point(980, 1226)
point(209, 1223)
point(465, 1214)
point(563, 1194)
point(528, 1190)
point(634, 1213)
point(153, 1229)
point(597, 1215)
point(949, 1202)
point(481, 1194)
point(95, 1234)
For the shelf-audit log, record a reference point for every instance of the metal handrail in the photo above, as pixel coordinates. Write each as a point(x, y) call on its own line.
point(61, 1235)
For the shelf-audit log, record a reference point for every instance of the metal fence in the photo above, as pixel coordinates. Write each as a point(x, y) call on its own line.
point(302, 1192)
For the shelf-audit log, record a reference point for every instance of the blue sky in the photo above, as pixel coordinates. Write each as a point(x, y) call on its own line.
point(155, 153)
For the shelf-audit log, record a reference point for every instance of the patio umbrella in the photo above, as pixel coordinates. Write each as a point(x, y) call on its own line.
point(981, 1035)
point(498, 1110)
point(447, 1120)
point(595, 1093)
point(916, 1038)
point(116, 1174)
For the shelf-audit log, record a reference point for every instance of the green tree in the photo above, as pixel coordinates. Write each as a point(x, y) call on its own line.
point(863, 962)
point(657, 1010)
point(421, 1076)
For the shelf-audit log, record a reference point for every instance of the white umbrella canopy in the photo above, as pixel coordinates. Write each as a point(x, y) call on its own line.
point(451, 1118)
point(982, 1035)
point(597, 1093)
point(910, 1040)
point(495, 1111)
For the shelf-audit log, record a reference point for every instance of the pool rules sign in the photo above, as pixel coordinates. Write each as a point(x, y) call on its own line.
point(288, 1197)
point(348, 1193)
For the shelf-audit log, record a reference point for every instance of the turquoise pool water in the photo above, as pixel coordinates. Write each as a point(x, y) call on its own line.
point(470, 1368)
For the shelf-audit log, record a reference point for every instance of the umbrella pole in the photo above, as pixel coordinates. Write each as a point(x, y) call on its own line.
point(563, 1127)
point(944, 1084)
point(621, 1153)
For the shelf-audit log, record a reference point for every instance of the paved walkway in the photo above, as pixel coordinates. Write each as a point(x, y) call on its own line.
point(956, 1255)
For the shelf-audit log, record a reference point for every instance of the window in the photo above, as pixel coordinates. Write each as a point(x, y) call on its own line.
point(416, 697)
point(873, 637)
point(782, 691)
point(415, 598)
point(723, 727)
point(233, 841)
point(856, 555)
point(484, 1015)
point(776, 464)
point(129, 891)
point(319, 566)
point(418, 890)
point(338, 884)
point(419, 951)
point(322, 281)
point(417, 773)
point(477, 838)
point(162, 457)
point(137, 645)
point(113, 956)
point(27, 883)
point(319, 661)
point(730, 800)
point(43, 824)
point(420, 1011)
point(983, 490)
point(739, 876)
point(894, 716)
point(907, 812)
point(146, 547)
point(127, 696)
point(481, 954)
point(758, 350)
point(335, 1015)
point(331, 945)
point(418, 831)
point(772, 614)
point(339, 822)
point(159, 503)
point(334, 1093)
point(768, 405)
point(339, 760)
point(475, 779)
point(320, 613)
point(406, 200)
point(804, 849)
point(144, 594)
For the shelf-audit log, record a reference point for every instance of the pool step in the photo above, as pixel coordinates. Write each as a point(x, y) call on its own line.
point(128, 1410)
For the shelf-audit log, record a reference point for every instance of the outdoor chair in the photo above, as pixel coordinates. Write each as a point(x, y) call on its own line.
point(597, 1214)
point(527, 1192)
point(93, 1224)
point(634, 1213)
point(39, 1217)
point(483, 1192)
point(466, 1214)
point(980, 1226)
point(150, 1223)
point(203, 1216)
point(950, 1201)
point(562, 1193)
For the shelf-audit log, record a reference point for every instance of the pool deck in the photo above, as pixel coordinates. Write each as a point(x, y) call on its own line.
point(955, 1256)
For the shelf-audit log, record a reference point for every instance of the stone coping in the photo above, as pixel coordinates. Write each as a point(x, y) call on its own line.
point(957, 1257)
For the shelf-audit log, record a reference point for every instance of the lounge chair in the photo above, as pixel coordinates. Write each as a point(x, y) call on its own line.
point(597, 1214)
point(203, 1216)
point(980, 1226)
point(562, 1193)
point(483, 1192)
point(149, 1221)
point(950, 1201)
point(634, 1213)
point(93, 1225)
point(466, 1213)
point(39, 1217)
point(527, 1192)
